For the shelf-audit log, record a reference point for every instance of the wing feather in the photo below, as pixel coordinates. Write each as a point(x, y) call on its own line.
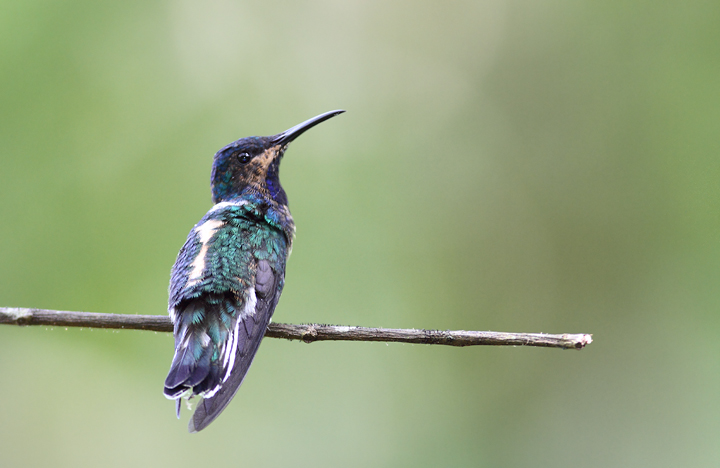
point(247, 340)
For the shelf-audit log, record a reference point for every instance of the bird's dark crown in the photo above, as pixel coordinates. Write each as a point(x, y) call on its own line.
point(251, 165)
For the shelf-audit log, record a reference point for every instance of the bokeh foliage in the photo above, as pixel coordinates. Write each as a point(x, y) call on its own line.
point(516, 166)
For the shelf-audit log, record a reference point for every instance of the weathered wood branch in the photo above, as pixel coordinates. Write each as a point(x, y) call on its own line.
point(306, 333)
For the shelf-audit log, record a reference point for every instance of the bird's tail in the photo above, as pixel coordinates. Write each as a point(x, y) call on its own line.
point(251, 332)
point(216, 339)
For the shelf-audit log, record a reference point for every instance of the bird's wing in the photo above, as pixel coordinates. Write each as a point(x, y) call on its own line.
point(247, 336)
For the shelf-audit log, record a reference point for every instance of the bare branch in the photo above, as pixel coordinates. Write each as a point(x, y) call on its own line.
point(306, 333)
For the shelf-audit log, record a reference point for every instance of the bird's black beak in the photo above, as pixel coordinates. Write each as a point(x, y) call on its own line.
point(289, 135)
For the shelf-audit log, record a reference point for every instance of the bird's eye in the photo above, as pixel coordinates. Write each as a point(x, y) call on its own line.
point(243, 157)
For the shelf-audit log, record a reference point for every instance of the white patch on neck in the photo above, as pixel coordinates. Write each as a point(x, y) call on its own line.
point(205, 231)
point(225, 204)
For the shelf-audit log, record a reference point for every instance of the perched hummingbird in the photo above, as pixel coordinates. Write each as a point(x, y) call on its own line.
point(228, 276)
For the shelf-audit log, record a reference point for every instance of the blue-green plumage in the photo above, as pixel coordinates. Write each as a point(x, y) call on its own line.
point(228, 276)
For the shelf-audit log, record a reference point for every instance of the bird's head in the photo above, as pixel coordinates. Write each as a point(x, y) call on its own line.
point(253, 164)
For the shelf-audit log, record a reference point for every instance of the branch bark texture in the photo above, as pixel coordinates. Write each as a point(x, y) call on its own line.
point(307, 333)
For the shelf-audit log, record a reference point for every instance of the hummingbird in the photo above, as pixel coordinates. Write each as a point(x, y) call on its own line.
point(228, 276)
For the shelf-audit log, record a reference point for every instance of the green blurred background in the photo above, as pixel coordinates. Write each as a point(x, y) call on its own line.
point(515, 166)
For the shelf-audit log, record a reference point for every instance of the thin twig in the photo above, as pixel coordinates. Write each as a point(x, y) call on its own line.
point(306, 333)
